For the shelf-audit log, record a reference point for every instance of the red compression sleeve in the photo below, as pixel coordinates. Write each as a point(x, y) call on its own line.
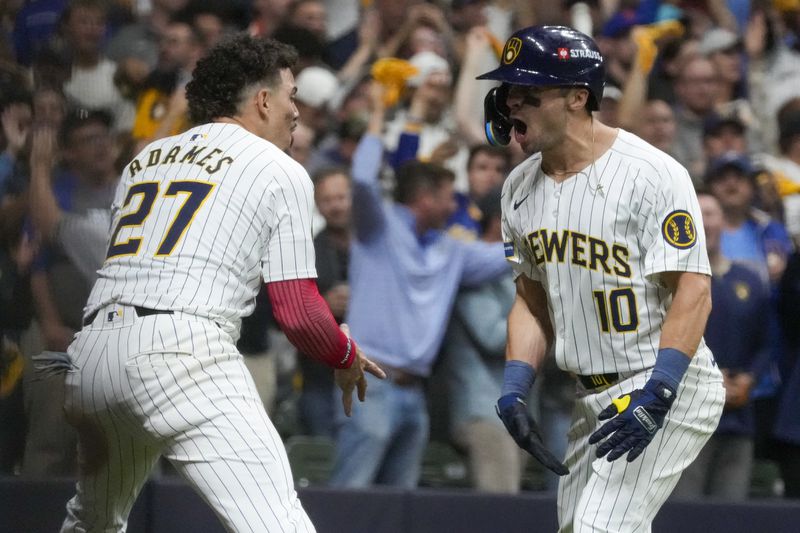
point(307, 322)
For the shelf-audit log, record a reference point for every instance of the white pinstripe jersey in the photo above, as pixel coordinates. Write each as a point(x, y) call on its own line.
point(598, 250)
point(199, 218)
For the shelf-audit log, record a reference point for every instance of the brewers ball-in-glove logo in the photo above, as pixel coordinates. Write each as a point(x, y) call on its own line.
point(678, 230)
point(511, 51)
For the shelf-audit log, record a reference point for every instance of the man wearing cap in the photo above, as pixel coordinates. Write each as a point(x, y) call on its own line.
point(749, 234)
point(316, 89)
point(427, 114)
point(72, 216)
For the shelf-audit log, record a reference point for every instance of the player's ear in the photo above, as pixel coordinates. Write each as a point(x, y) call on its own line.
point(577, 98)
point(262, 101)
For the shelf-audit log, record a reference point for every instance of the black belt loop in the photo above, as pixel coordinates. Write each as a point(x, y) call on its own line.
point(597, 381)
point(140, 312)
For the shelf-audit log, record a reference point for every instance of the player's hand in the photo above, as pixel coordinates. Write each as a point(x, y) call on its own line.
point(636, 417)
point(354, 377)
point(513, 411)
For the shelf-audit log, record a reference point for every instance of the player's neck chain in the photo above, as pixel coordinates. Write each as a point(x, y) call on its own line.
point(590, 172)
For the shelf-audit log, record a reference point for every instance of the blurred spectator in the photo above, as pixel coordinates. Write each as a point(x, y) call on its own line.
point(91, 83)
point(316, 88)
point(748, 234)
point(773, 73)
point(751, 237)
point(268, 15)
point(473, 359)
point(161, 109)
point(394, 18)
point(35, 24)
point(736, 332)
point(487, 168)
point(657, 125)
point(671, 60)
point(15, 119)
point(349, 114)
point(696, 91)
point(723, 134)
point(787, 422)
point(310, 15)
point(333, 196)
point(213, 19)
point(49, 107)
point(724, 49)
point(469, 93)
point(17, 249)
point(616, 44)
point(256, 344)
point(303, 139)
point(310, 49)
point(404, 275)
point(140, 39)
point(786, 167)
point(64, 274)
point(427, 118)
point(609, 106)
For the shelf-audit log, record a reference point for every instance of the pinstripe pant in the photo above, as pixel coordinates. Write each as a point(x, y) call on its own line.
point(598, 495)
point(172, 385)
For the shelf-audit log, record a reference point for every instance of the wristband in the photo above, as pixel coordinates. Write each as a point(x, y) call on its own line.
point(671, 365)
point(518, 379)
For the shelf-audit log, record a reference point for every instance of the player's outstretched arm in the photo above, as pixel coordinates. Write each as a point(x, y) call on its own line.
point(529, 334)
point(307, 322)
point(637, 416)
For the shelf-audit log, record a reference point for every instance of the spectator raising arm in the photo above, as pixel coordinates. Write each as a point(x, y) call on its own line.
point(368, 216)
point(477, 43)
point(45, 212)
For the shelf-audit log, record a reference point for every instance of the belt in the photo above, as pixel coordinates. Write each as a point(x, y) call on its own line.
point(140, 312)
point(597, 381)
point(401, 378)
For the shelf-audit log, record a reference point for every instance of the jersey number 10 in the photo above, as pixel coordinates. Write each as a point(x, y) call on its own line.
point(196, 193)
point(621, 305)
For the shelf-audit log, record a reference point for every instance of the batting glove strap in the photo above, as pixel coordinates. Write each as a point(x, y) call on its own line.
point(513, 411)
point(635, 419)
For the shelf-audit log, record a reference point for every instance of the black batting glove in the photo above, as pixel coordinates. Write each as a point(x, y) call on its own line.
point(513, 411)
point(636, 417)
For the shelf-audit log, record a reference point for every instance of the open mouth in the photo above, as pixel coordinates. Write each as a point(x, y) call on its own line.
point(519, 126)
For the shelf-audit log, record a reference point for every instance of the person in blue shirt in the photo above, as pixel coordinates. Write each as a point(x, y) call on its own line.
point(752, 237)
point(404, 275)
point(736, 332)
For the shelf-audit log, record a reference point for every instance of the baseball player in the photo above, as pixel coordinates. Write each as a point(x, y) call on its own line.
point(605, 236)
point(198, 220)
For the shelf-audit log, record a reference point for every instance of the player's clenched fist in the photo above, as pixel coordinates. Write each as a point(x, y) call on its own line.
point(639, 415)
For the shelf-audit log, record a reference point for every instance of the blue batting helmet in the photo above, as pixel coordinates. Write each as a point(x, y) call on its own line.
point(552, 56)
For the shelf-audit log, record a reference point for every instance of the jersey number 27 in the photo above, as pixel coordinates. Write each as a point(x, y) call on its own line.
point(196, 193)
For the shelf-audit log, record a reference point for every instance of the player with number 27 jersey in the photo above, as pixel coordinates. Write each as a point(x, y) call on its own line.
point(211, 184)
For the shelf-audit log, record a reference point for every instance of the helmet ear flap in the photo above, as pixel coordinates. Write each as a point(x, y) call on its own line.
point(496, 116)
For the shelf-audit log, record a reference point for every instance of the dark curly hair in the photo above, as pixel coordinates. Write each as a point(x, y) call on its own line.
point(232, 66)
